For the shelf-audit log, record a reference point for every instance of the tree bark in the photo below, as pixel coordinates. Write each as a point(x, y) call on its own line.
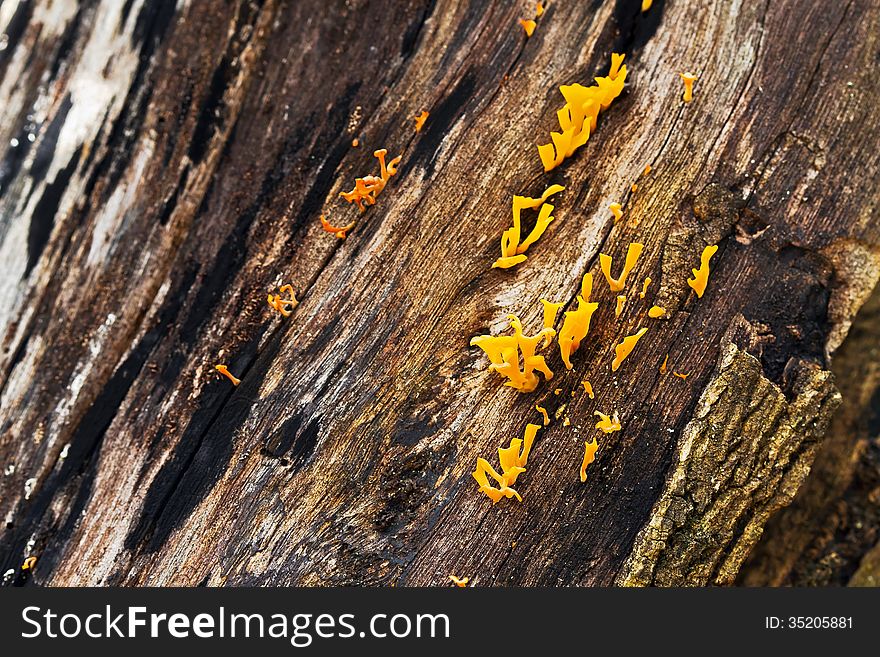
point(164, 168)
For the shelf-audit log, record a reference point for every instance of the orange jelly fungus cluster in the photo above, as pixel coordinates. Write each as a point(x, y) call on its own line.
point(420, 120)
point(579, 114)
point(225, 372)
point(512, 250)
point(506, 351)
point(701, 275)
point(624, 349)
point(368, 188)
point(632, 257)
point(577, 322)
point(280, 304)
point(513, 462)
point(339, 231)
point(655, 312)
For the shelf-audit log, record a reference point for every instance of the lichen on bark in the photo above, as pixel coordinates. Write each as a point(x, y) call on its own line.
point(743, 456)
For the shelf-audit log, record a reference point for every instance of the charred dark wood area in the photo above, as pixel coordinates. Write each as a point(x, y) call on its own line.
point(163, 168)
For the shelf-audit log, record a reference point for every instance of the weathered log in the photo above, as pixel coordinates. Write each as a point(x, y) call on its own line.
point(165, 170)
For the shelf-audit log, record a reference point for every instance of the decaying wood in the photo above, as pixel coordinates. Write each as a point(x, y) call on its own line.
point(822, 537)
point(165, 170)
point(742, 458)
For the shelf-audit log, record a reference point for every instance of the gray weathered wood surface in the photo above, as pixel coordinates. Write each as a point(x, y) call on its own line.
point(164, 166)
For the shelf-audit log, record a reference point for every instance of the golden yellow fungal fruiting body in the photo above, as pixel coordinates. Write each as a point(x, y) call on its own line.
point(688, 79)
point(578, 116)
point(225, 372)
point(701, 275)
point(655, 312)
point(590, 448)
point(624, 349)
point(607, 424)
point(633, 251)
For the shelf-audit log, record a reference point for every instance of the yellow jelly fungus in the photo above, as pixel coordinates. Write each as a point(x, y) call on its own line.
point(29, 563)
point(645, 287)
point(607, 424)
point(634, 188)
point(513, 462)
point(616, 211)
point(225, 372)
point(543, 411)
point(632, 256)
point(663, 367)
point(621, 300)
point(278, 303)
point(566, 422)
point(656, 312)
point(336, 230)
point(512, 252)
point(590, 448)
point(505, 351)
point(528, 25)
point(539, 10)
point(550, 311)
point(688, 79)
point(557, 391)
point(495, 494)
point(576, 324)
point(544, 219)
point(507, 262)
point(646, 5)
point(589, 388)
point(420, 120)
point(368, 188)
point(701, 275)
point(681, 376)
point(461, 582)
point(355, 143)
point(646, 170)
point(578, 116)
point(623, 350)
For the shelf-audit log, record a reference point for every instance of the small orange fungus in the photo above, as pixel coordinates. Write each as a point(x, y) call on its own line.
point(590, 448)
point(616, 211)
point(225, 372)
point(280, 304)
point(339, 231)
point(578, 116)
point(607, 424)
point(505, 352)
point(461, 582)
point(513, 460)
point(632, 256)
point(701, 275)
point(624, 349)
point(420, 120)
point(577, 322)
point(688, 79)
point(368, 188)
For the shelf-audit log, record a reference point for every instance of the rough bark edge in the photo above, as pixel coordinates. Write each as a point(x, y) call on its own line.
point(741, 458)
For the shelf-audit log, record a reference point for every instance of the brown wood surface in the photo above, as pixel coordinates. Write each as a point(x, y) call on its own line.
point(164, 169)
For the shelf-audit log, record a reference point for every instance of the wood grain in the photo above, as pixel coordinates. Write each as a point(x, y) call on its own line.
point(179, 162)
